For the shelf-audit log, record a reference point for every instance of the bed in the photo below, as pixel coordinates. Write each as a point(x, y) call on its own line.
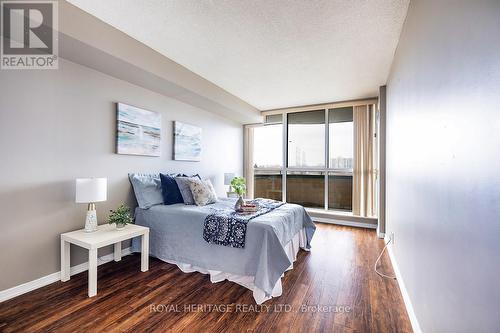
point(272, 243)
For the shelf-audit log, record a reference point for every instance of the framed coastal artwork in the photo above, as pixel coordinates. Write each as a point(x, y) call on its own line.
point(187, 142)
point(138, 131)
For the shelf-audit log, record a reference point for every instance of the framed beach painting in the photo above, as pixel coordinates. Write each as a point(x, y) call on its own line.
point(187, 142)
point(138, 131)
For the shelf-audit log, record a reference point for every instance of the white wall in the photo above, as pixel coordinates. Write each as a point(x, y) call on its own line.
point(443, 163)
point(57, 125)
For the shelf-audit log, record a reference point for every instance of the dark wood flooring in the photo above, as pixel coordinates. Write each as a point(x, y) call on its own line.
point(337, 274)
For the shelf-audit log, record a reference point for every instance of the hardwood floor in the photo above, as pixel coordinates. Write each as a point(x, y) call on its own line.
point(337, 274)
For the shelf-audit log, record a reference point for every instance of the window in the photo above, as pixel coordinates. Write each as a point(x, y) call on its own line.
point(306, 139)
point(339, 192)
point(268, 148)
point(341, 138)
point(317, 169)
point(306, 188)
point(341, 156)
point(274, 119)
point(267, 160)
point(267, 184)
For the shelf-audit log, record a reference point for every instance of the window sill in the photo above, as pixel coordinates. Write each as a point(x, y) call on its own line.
point(343, 218)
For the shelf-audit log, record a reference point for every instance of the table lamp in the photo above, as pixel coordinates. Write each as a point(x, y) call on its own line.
point(227, 179)
point(90, 191)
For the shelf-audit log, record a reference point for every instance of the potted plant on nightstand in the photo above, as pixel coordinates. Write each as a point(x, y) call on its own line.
point(239, 186)
point(121, 217)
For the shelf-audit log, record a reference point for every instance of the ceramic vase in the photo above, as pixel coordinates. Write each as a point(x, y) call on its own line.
point(239, 203)
point(120, 226)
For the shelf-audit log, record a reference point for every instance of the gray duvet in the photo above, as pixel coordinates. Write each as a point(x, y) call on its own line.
point(176, 234)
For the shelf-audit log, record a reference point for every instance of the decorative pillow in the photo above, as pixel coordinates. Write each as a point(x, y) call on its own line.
point(183, 184)
point(147, 189)
point(203, 191)
point(170, 190)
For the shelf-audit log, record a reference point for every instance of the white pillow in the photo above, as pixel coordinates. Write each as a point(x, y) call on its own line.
point(203, 191)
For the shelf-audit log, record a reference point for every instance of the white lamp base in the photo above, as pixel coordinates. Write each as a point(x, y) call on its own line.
point(91, 221)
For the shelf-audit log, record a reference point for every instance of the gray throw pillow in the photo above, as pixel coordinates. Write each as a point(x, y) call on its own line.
point(183, 184)
point(147, 189)
point(203, 191)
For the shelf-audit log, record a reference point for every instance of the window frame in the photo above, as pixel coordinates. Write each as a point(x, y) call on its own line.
point(273, 168)
point(326, 169)
point(287, 137)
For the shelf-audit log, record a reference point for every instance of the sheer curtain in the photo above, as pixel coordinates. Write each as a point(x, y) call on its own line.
point(248, 159)
point(363, 201)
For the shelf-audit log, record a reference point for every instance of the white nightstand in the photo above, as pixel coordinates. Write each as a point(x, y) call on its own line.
point(105, 235)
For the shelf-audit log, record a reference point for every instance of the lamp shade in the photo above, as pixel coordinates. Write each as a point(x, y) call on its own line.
point(91, 190)
point(227, 178)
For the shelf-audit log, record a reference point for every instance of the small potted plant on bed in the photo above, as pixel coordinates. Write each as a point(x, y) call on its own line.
point(239, 186)
point(121, 217)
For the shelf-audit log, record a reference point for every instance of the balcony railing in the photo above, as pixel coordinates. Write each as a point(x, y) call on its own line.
point(306, 188)
point(268, 185)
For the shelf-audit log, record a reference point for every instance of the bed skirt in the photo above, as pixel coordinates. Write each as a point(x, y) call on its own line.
point(247, 281)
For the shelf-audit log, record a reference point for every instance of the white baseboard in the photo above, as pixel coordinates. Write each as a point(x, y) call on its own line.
point(344, 222)
point(54, 277)
point(404, 292)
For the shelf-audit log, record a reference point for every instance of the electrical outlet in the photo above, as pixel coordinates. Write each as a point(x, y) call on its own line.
point(392, 238)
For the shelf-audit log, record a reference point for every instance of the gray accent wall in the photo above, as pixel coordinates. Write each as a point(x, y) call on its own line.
point(57, 125)
point(443, 163)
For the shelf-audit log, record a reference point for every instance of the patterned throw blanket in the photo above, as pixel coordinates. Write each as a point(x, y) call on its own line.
point(229, 228)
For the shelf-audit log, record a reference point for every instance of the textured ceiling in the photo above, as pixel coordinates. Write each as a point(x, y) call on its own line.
point(270, 53)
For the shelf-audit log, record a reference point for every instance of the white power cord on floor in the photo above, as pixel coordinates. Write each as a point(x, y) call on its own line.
point(378, 259)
